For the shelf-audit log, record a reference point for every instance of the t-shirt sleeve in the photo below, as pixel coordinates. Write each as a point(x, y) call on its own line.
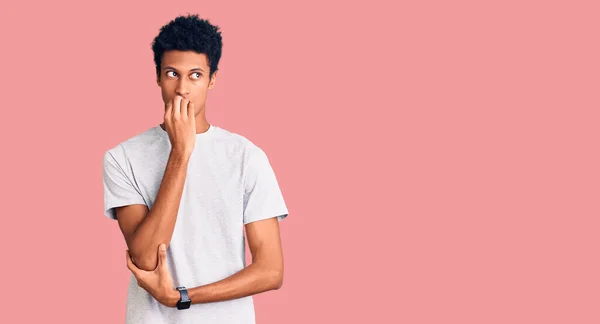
point(118, 188)
point(262, 195)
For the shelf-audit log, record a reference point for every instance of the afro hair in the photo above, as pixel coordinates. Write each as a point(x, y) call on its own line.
point(189, 33)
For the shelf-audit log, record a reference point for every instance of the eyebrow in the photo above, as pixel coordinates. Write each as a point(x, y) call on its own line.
point(172, 68)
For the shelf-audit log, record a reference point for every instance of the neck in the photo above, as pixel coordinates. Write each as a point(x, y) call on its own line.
point(201, 124)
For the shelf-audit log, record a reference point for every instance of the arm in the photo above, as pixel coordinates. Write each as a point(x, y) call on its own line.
point(145, 230)
point(263, 274)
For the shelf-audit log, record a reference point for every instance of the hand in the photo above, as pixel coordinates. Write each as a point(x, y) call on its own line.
point(157, 282)
point(180, 124)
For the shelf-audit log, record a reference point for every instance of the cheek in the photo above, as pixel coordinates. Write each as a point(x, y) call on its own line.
point(164, 90)
point(200, 92)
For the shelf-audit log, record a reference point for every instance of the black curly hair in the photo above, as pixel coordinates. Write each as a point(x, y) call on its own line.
point(189, 33)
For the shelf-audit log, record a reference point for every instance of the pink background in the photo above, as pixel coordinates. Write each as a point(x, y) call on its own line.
point(440, 160)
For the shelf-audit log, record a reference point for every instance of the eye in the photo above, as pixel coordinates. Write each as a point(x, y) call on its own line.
point(199, 75)
point(171, 72)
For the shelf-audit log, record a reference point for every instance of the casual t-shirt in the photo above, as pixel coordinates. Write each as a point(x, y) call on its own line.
point(229, 183)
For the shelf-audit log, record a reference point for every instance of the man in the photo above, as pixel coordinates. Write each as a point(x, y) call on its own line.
point(191, 187)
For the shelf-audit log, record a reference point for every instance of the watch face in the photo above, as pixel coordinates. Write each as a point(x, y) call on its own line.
point(183, 304)
point(184, 301)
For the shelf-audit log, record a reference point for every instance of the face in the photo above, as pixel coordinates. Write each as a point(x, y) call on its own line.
point(185, 74)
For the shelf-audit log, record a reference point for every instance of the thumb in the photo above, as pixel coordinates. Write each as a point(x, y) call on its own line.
point(130, 264)
point(162, 254)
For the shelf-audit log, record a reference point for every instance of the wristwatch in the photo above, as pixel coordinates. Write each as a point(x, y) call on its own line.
point(184, 300)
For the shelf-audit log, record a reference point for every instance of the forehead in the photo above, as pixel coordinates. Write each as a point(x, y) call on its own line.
point(185, 60)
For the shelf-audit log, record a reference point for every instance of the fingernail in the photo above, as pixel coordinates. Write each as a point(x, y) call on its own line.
point(162, 247)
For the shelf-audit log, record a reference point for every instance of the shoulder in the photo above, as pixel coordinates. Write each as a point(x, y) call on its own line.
point(237, 142)
point(137, 143)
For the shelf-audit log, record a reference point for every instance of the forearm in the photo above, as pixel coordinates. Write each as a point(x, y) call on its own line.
point(158, 225)
point(253, 279)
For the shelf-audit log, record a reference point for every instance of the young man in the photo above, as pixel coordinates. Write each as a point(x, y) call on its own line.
point(192, 187)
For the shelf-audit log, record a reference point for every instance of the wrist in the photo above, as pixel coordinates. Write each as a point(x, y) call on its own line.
point(180, 155)
point(173, 297)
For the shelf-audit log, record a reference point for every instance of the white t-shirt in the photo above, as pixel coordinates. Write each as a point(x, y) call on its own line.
point(229, 183)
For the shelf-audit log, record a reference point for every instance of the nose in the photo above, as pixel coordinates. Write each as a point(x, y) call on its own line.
point(182, 88)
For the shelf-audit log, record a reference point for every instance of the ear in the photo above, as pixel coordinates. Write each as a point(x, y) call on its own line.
point(211, 84)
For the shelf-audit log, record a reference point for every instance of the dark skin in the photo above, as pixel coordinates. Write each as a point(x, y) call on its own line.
point(186, 74)
point(184, 80)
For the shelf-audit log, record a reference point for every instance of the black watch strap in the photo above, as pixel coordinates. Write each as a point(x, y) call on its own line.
point(184, 300)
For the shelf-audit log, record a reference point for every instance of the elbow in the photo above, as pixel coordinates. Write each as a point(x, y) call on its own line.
point(145, 262)
point(148, 264)
point(144, 255)
point(276, 279)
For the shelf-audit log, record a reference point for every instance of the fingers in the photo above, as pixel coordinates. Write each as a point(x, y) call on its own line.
point(162, 255)
point(169, 110)
point(180, 108)
point(177, 107)
point(190, 111)
point(184, 108)
point(130, 264)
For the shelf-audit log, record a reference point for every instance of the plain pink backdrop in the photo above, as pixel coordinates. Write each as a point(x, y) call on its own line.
point(439, 159)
